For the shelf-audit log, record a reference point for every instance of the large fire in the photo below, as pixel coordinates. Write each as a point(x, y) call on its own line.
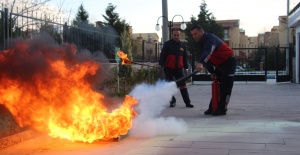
point(48, 88)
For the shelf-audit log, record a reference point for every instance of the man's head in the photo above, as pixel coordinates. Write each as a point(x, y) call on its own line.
point(197, 32)
point(176, 35)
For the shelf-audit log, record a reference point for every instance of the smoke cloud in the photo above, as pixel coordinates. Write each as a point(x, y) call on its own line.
point(153, 99)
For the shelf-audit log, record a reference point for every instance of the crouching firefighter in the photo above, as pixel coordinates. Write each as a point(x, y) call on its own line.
point(219, 60)
point(173, 60)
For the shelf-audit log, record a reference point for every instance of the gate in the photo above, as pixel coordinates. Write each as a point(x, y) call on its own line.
point(284, 64)
point(251, 65)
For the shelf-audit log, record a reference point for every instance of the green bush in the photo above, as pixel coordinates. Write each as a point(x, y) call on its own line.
point(123, 81)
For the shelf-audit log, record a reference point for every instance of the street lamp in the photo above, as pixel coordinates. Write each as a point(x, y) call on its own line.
point(170, 25)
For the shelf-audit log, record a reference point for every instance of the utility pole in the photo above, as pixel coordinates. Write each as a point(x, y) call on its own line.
point(165, 21)
point(287, 38)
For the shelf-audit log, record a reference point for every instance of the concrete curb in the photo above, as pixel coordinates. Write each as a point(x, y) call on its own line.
point(17, 138)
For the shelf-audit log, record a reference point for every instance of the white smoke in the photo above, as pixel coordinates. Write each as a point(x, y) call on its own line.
point(153, 99)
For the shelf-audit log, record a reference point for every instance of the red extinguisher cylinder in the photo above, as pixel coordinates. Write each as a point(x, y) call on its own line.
point(215, 95)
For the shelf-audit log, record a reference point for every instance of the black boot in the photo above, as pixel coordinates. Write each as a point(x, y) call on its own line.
point(173, 102)
point(219, 111)
point(186, 98)
point(209, 110)
point(222, 107)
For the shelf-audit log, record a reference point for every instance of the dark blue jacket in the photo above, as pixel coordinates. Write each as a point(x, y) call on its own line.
point(174, 55)
point(214, 51)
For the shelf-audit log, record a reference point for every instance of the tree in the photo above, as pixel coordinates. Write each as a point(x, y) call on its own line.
point(114, 20)
point(120, 25)
point(82, 38)
point(208, 21)
point(126, 44)
point(82, 15)
point(209, 24)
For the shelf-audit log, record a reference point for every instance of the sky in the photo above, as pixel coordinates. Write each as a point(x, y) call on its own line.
point(256, 16)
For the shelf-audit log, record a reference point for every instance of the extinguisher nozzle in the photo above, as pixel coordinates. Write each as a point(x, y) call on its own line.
point(181, 80)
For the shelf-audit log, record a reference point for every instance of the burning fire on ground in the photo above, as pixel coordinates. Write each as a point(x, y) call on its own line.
point(47, 87)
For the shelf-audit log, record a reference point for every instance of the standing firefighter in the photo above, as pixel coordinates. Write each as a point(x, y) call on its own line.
point(220, 61)
point(173, 59)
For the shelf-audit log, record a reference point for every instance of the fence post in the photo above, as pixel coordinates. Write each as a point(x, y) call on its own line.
point(65, 32)
point(291, 50)
point(156, 51)
point(266, 62)
point(5, 25)
point(10, 25)
point(277, 60)
point(143, 50)
point(2, 27)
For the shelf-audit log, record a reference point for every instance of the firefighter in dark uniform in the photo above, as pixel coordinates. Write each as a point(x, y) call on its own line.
point(173, 60)
point(219, 60)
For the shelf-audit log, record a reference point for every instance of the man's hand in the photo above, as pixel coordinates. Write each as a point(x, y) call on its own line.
point(199, 67)
point(186, 71)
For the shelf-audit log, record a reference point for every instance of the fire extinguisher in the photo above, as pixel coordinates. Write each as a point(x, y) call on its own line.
point(215, 87)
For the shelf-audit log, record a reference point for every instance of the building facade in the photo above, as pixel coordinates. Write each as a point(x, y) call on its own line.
point(294, 22)
point(145, 46)
point(231, 31)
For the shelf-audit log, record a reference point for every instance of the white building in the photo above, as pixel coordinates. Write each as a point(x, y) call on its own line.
point(294, 22)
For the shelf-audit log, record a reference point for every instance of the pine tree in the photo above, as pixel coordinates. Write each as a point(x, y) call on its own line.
point(80, 36)
point(114, 20)
point(207, 20)
point(111, 16)
point(127, 44)
point(82, 15)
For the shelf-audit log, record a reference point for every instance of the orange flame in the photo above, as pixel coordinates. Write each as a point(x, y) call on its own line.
point(48, 88)
point(124, 58)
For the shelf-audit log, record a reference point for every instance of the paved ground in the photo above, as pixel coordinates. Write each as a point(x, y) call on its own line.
point(263, 119)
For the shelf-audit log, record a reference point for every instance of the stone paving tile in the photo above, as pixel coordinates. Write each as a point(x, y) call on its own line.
point(257, 152)
point(229, 146)
point(262, 119)
point(164, 138)
point(178, 151)
point(290, 145)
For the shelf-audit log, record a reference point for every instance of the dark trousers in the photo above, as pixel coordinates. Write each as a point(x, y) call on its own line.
point(173, 74)
point(225, 76)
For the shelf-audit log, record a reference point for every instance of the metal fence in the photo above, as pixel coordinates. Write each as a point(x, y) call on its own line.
point(283, 64)
point(101, 39)
point(251, 65)
point(259, 64)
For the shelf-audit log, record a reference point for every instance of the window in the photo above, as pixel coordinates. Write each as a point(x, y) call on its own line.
point(226, 34)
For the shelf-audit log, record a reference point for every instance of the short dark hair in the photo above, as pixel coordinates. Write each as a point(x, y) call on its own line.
point(198, 27)
point(176, 30)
